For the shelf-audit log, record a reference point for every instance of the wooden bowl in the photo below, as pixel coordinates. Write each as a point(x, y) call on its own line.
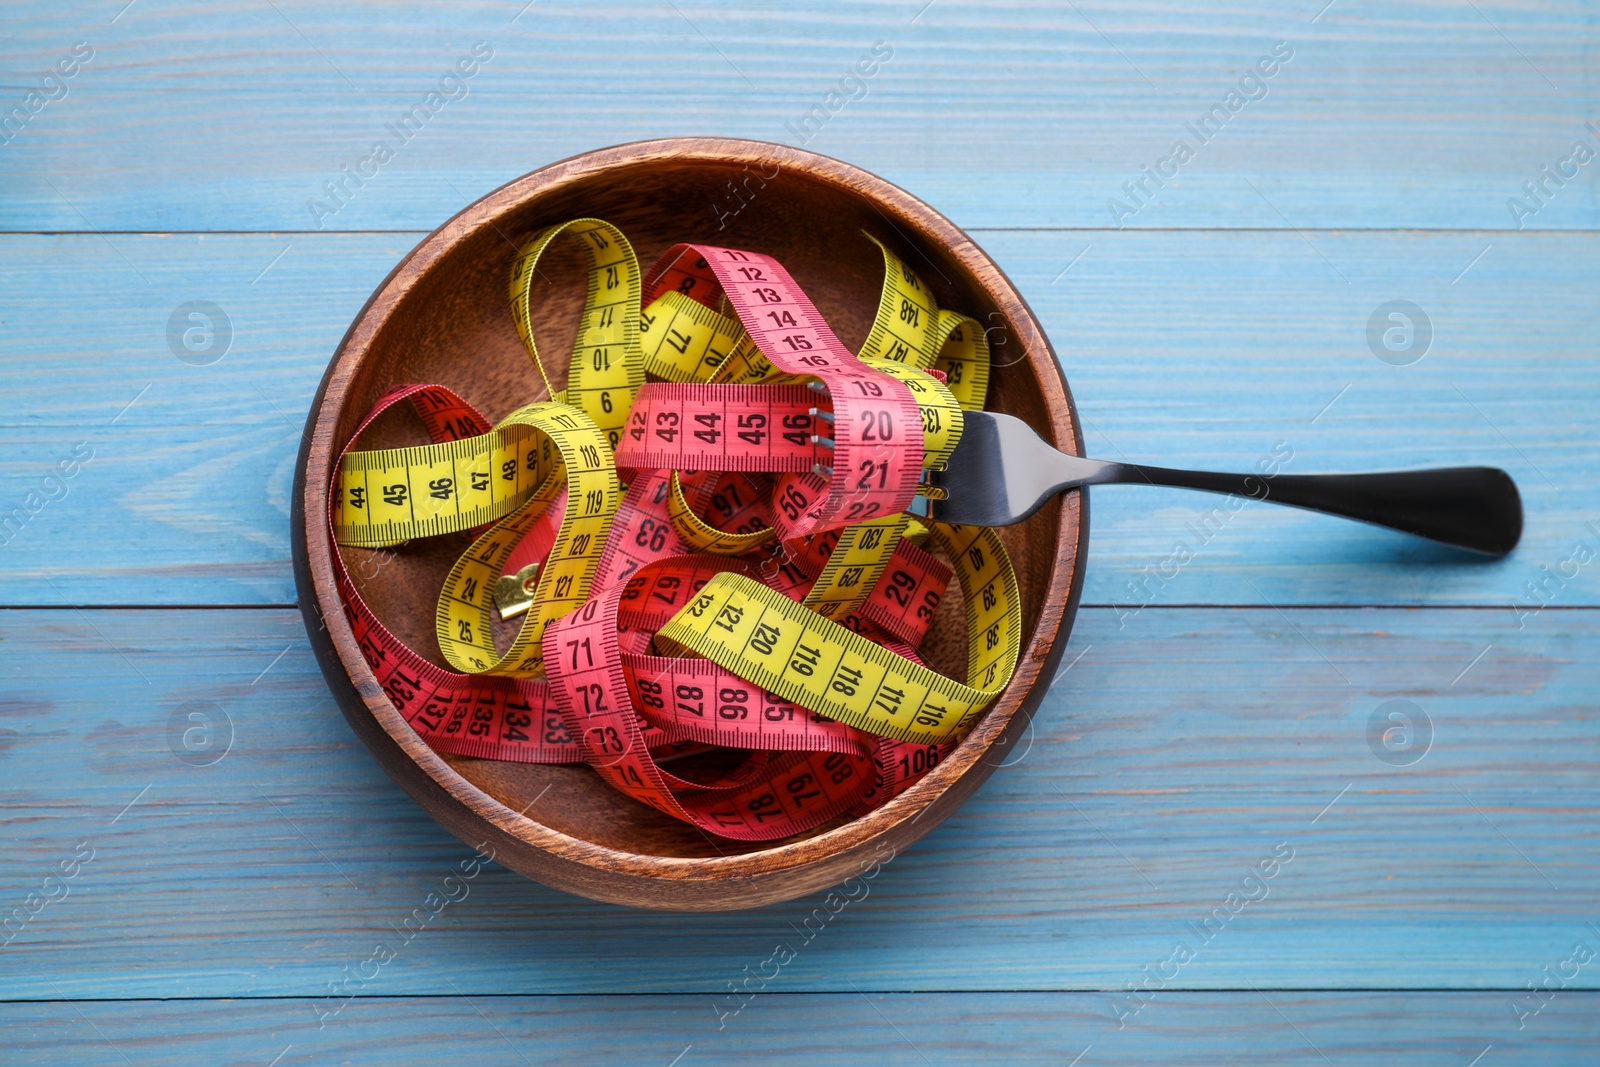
point(443, 316)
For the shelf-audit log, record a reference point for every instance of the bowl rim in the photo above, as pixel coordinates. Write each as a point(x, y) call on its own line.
point(313, 544)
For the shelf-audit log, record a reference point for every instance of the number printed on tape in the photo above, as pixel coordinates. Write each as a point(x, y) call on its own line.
point(716, 505)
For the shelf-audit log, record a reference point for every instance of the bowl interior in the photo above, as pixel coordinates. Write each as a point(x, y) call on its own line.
point(453, 326)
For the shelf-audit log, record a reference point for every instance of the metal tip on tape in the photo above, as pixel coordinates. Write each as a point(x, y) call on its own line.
point(817, 387)
point(818, 468)
point(513, 593)
point(825, 442)
point(825, 416)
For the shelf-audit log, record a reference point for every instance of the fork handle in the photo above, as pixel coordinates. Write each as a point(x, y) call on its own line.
point(1476, 508)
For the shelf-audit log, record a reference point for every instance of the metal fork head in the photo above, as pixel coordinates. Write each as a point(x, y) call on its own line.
point(1002, 472)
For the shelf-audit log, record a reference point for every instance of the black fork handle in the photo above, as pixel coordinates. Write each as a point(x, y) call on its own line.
point(1476, 508)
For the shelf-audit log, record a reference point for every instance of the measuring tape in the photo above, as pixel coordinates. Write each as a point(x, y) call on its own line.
point(910, 328)
point(758, 585)
point(830, 669)
point(488, 717)
point(605, 369)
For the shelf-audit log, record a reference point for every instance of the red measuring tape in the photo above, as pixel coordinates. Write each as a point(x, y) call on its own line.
point(803, 488)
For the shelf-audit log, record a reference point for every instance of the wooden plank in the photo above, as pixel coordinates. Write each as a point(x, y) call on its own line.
point(1167, 764)
point(1203, 349)
point(916, 1030)
point(1022, 114)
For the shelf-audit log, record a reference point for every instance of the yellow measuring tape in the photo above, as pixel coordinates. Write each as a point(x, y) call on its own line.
point(584, 463)
point(606, 368)
point(911, 328)
point(685, 341)
point(393, 495)
point(855, 565)
point(512, 474)
point(766, 638)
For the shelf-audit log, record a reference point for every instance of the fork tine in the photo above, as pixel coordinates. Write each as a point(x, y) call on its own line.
point(1002, 472)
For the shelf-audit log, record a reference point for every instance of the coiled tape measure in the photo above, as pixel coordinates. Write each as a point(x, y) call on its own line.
point(710, 538)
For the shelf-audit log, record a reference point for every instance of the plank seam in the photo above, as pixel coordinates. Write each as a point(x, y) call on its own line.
point(1065, 991)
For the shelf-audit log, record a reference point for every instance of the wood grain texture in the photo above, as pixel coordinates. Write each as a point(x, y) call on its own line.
point(1203, 349)
point(912, 1030)
point(195, 117)
point(1164, 765)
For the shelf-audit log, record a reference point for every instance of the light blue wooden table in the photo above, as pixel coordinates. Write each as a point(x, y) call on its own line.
point(1216, 713)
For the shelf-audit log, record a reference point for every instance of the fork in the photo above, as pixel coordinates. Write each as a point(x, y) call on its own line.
point(1002, 472)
